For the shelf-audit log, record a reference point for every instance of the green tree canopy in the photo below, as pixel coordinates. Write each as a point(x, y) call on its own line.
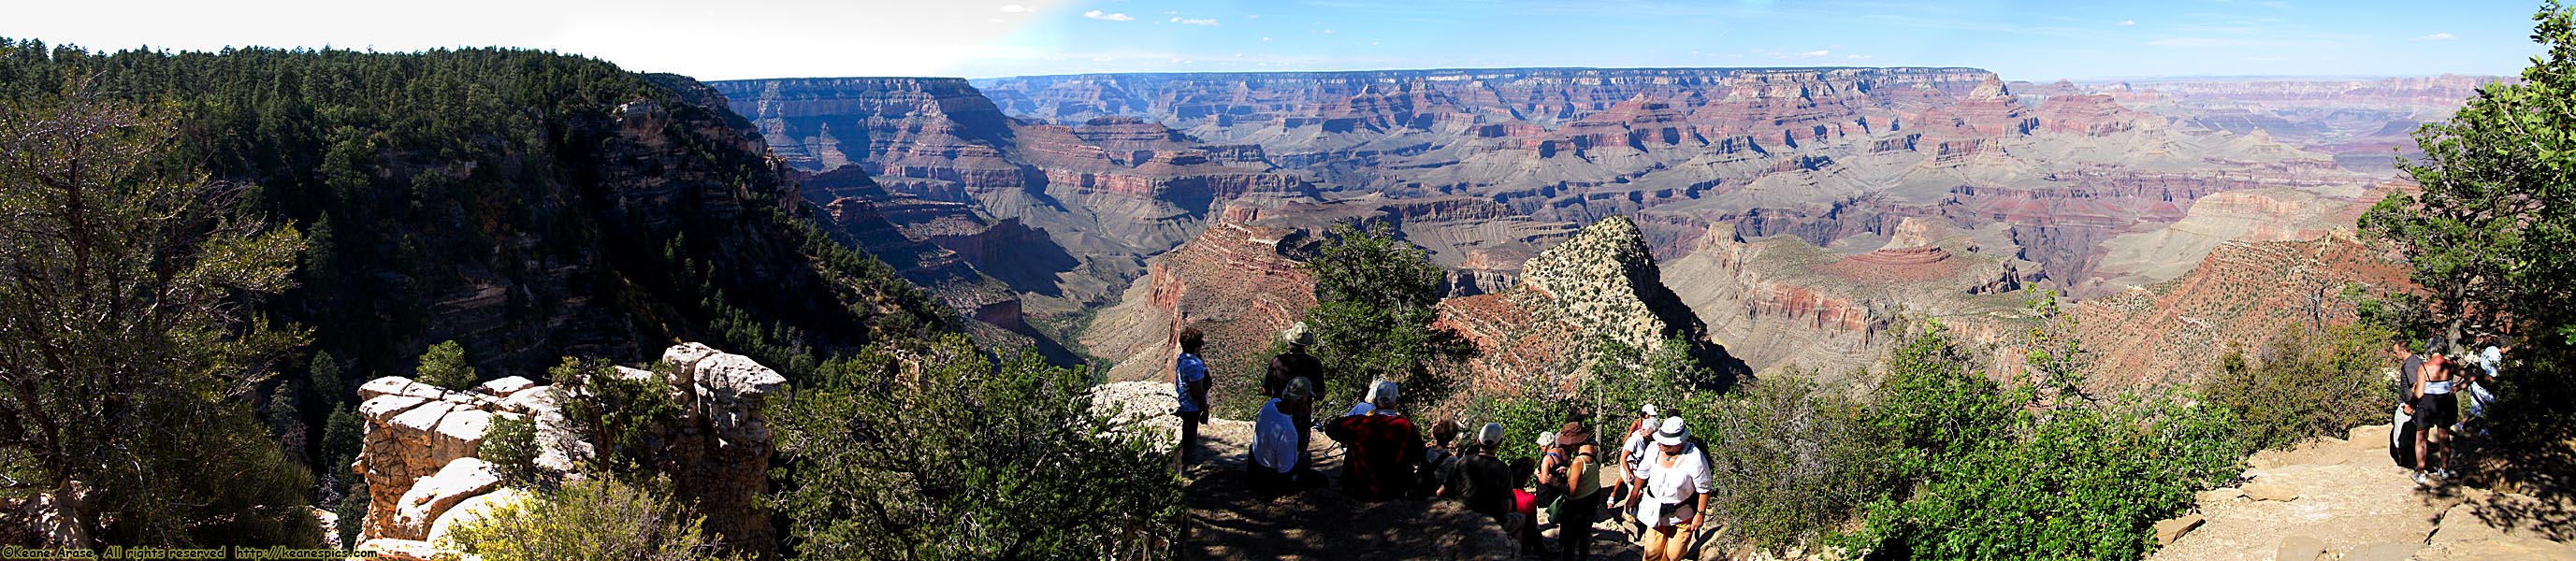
point(2488, 235)
point(127, 361)
point(1375, 300)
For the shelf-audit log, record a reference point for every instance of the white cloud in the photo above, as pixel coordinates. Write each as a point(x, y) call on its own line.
point(1816, 53)
point(2437, 37)
point(1328, 32)
point(1265, 39)
point(1014, 8)
point(1194, 21)
point(1108, 16)
point(1252, 16)
point(2126, 23)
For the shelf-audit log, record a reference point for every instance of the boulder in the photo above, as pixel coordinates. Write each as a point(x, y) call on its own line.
point(505, 387)
point(2515, 547)
point(2371, 437)
point(390, 549)
point(435, 495)
point(2271, 491)
point(2384, 551)
point(683, 359)
point(2299, 548)
point(470, 509)
point(2220, 495)
point(2169, 530)
point(397, 385)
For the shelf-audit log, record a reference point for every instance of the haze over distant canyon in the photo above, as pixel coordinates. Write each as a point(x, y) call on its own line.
point(1798, 213)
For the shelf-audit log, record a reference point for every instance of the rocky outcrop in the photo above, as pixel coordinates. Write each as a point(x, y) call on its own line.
point(1602, 283)
point(423, 477)
point(1236, 282)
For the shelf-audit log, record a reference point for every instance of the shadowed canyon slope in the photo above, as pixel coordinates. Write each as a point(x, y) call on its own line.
point(1801, 211)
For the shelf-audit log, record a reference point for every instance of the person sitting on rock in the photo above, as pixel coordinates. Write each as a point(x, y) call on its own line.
point(1384, 447)
point(1675, 492)
point(1277, 466)
point(1482, 482)
point(1438, 460)
point(1293, 364)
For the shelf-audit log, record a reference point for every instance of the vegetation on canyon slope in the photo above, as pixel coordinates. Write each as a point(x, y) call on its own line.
point(2487, 237)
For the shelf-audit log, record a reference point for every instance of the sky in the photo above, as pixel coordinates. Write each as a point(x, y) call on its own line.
point(2021, 40)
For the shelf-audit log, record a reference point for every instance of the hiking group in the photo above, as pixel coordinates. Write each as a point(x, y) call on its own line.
point(2430, 387)
point(1658, 485)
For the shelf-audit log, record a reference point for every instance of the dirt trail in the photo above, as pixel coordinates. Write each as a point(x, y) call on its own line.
point(2344, 499)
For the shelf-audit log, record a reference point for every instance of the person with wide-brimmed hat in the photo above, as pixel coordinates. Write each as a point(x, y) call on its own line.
point(1675, 491)
point(1573, 469)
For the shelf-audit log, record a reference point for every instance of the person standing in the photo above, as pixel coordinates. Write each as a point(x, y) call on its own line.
point(2401, 439)
point(2435, 410)
point(1384, 446)
point(1632, 458)
point(1675, 492)
point(1190, 389)
point(1581, 482)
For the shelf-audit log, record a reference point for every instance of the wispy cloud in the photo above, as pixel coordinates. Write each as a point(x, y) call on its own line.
point(1014, 8)
point(1194, 21)
point(2126, 23)
point(1815, 53)
point(1108, 16)
point(2437, 37)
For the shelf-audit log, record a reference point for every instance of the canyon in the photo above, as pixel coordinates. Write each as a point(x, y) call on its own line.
point(1800, 213)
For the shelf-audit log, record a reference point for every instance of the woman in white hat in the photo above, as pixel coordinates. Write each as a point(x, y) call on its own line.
point(1675, 491)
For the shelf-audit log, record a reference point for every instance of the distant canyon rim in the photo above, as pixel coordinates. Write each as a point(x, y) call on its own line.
point(1801, 214)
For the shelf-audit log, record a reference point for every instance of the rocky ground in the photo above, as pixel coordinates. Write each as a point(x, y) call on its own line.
point(2344, 499)
point(1225, 522)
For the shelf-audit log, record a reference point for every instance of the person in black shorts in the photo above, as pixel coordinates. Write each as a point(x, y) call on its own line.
point(2436, 408)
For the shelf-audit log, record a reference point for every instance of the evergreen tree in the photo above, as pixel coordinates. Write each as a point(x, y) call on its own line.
point(443, 365)
point(1375, 301)
point(126, 361)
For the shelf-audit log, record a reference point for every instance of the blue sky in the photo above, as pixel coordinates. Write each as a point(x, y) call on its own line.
point(987, 38)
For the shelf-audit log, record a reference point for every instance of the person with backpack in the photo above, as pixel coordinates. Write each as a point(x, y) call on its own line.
point(1438, 460)
point(1675, 492)
point(1632, 457)
point(1578, 478)
point(1190, 386)
point(1296, 363)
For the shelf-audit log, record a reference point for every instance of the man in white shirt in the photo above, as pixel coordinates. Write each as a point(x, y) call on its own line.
point(1277, 464)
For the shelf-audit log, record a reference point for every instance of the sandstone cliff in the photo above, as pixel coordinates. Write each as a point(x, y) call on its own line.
point(423, 477)
point(1091, 198)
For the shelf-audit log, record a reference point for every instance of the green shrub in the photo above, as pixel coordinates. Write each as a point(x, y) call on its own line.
point(1789, 461)
point(941, 453)
point(443, 365)
point(1375, 302)
point(2304, 385)
point(2083, 482)
point(620, 417)
point(511, 447)
point(597, 519)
